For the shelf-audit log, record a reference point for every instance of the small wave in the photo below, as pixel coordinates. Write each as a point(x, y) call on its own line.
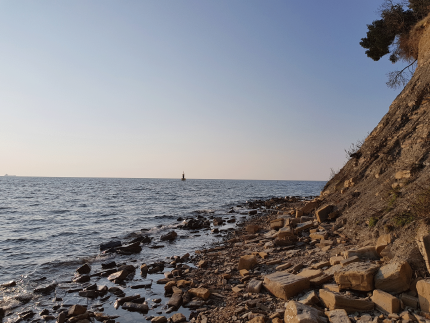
point(82, 205)
point(59, 211)
point(209, 211)
point(5, 207)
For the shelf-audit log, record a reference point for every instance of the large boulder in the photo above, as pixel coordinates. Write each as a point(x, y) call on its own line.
point(423, 290)
point(357, 276)
point(394, 278)
point(285, 285)
point(423, 242)
point(323, 212)
point(296, 312)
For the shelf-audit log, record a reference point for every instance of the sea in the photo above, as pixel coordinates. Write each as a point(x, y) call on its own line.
point(51, 226)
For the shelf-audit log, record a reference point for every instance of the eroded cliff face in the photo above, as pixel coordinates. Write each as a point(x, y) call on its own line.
point(374, 191)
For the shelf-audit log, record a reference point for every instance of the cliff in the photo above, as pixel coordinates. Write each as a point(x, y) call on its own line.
point(384, 187)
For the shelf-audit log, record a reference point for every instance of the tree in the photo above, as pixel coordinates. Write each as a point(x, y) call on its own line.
point(392, 35)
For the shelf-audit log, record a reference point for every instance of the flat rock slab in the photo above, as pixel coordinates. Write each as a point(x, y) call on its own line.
point(363, 253)
point(285, 285)
point(335, 301)
point(357, 276)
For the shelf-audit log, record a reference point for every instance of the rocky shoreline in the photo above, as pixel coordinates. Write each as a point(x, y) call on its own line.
point(290, 260)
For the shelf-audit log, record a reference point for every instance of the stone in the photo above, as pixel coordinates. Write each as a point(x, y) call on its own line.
point(110, 245)
point(244, 272)
point(357, 276)
point(303, 226)
point(332, 287)
point(175, 300)
point(318, 235)
point(309, 207)
point(125, 299)
point(119, 275)
point(296, 312)
point(310, 273)
point(423, 242)
point(170, 236)
point(84, 269)
point(61, 318)
point(423, 290)
point(257, 319)
point(335, 301)
point(363, 253)
point(276, 224)
point(130, 248)
point(76, 310)
point(321, 264)
point(159, 319)
point(12, 283)
point(202, 264)
point(394, 278)
point(409, 300)
point(324, 278)
point(135, 307)
point(383, 241)
point(385, 302)
point(285, 285)
point(254, 286)
point(247, 262)
point(88, 293)
point(178, 318)
point(323, 212)
point(47, 289)
point(200, 292)
point(283, 266)
point(169, 285)
point(218, 221)
point(310, 298)
point(349, 260)
point(285, 232)
point(338, 316)
point(144, 269)
point(252, 228)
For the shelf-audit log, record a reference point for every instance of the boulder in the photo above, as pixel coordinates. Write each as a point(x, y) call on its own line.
point(159, 319)
point(110, 245)
point(338, 316)
point(285, 285)
point(84, 269)
point(394, 278)
point(247, 262)
point(323, 212)
point(385, 302)
point(358, 276)
point(409, 300)
point(178, 318)
point(296, 312)
point(119, 275)
point(170, 236)
point(309, 207)
point(175, 301)
point(76, 310)
point(423, 290)
point(363, 253)
point(423, 242)
point(135, 307)
point(130, 248)
point(335, 301)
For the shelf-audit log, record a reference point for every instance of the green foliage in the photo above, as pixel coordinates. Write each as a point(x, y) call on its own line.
point(372, 221)
point(393, 195)
point(378, 40)
point(403, 219)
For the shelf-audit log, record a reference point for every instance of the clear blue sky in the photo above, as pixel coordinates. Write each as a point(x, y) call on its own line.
point(218, 89)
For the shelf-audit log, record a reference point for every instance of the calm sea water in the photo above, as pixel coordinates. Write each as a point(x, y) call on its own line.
point(50, 225)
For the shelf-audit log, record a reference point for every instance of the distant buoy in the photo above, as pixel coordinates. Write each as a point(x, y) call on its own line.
point(183, 176)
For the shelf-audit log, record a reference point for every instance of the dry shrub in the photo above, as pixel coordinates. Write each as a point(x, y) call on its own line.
point(420, 202)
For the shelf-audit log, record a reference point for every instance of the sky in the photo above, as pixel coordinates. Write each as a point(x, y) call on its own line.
point(271, 90)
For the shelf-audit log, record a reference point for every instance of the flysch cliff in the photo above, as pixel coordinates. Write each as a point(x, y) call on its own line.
point(380, 188)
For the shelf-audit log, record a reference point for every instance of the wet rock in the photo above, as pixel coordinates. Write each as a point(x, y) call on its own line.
point(76, 310)
point(285, 285)
point(196, 224)
point(358, 276)
point(141, 308)
point(82, 279)
point(335, 301)
point(159, 319)
point(178, 318)
point(252, 212)
point(108, 265)
point(12, 283)
point(119, 275)
point(84, 269)
point(61, 318)
point(48, 317)
point(89, 294)
point(218, 221)
point(130, 248)
point(45, 289)
point(170, 236)
point(142, 239)
point(296, 312)
point(122, 300)
point(394, 278)
point(110, 245)
point(175, 301)
point(385, 302)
